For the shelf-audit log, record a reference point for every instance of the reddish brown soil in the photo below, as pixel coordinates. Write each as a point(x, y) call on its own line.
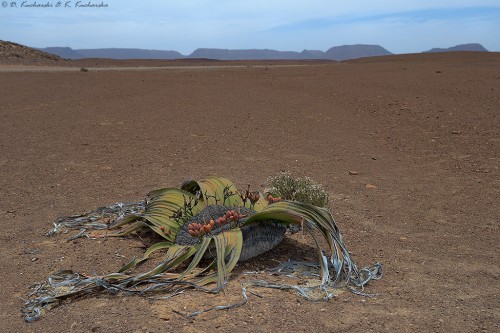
point(421, 131)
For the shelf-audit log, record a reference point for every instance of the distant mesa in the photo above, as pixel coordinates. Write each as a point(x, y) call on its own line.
point(12, 53)
point(335, 53)
point(346, 52)
point(312, 54)
point(248, 54)
point(63, 52)
point(475, 47)
point(112, 53)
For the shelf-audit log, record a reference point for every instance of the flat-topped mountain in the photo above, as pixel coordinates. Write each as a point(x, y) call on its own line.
point(338, 53)
point(63, 52)
point(462, 47)
point(249, 54)
point(346, 52)
point(112, 53)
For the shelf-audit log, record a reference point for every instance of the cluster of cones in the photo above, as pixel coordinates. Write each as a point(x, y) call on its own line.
point(272, 199)
point(199, 230)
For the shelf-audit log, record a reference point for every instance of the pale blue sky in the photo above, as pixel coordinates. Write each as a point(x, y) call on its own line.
point(399, 26)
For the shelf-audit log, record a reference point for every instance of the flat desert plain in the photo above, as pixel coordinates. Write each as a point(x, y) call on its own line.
point(406, 146)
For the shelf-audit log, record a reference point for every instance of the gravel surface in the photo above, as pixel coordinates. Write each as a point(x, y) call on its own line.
point(406, 146)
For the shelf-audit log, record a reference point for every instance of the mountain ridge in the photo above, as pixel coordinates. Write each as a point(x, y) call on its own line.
point(337, 53)
point(474, 47)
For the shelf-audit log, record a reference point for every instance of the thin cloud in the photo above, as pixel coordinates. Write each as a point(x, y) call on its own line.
point(409, 17)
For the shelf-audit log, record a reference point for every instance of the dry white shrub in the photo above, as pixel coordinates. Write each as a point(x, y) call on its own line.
point(300, 189)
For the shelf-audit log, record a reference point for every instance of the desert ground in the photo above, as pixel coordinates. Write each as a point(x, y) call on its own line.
point(407, 147)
